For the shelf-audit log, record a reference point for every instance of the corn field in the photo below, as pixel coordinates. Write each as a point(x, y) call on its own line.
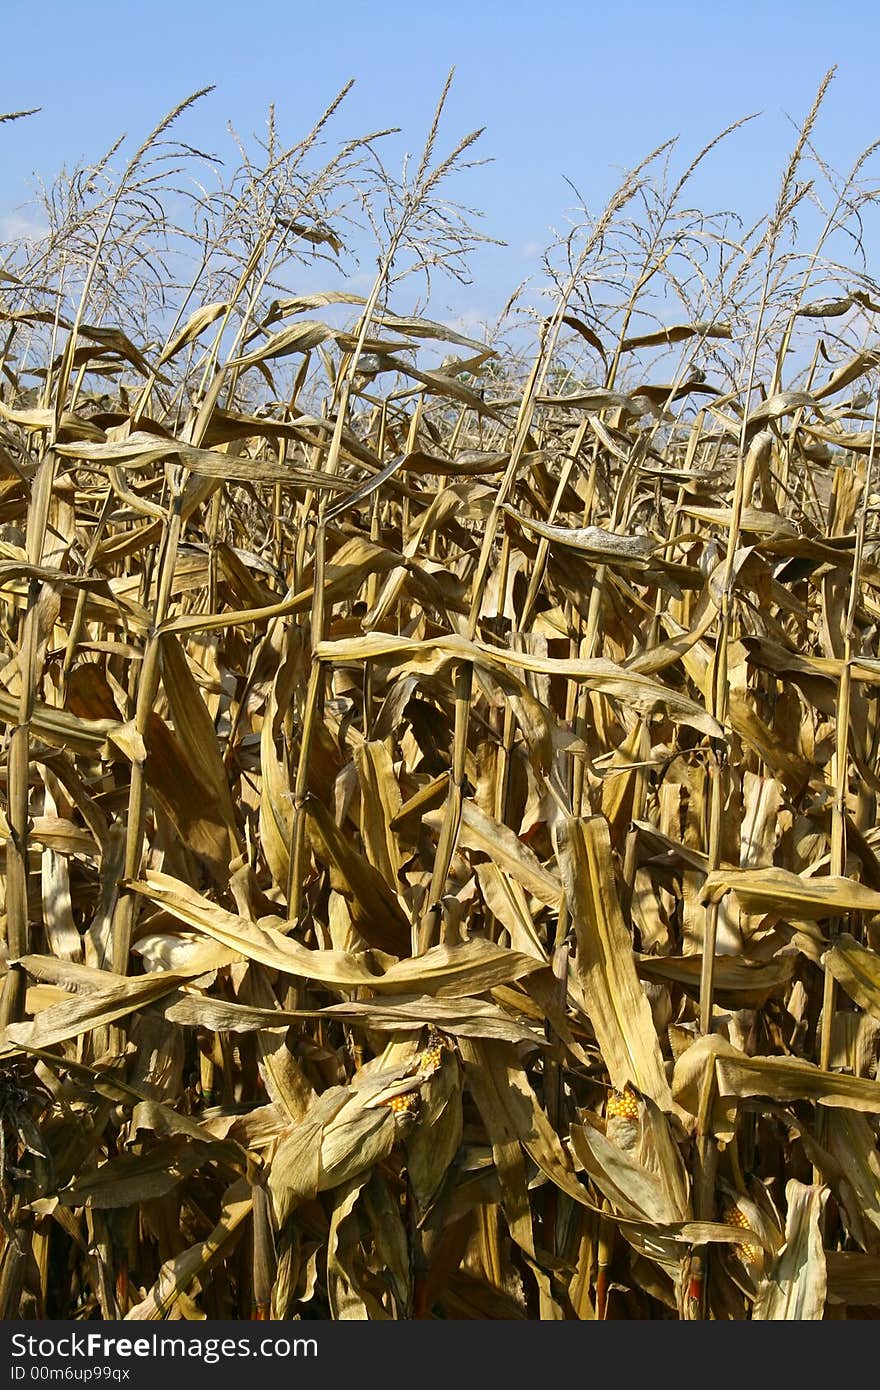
point(439, 769)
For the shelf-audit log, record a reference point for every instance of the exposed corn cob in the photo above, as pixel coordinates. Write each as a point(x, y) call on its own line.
point(622, 1105)
point(622, 1119)
point(403, 1105)
point(734, 1217)
point(432, 1054)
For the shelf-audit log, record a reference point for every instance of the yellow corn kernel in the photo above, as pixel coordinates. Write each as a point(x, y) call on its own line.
point(734, 1217)
point(404, 1105)
point(432, 1054)
point(622, 1105)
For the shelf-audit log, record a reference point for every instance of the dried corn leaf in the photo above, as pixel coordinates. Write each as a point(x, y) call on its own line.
point(791, 895)
point(857, 970)
point(638, 692)
point(786, 1079)
point(605, 964)
point(192, 329)
point(178, 1273)
point(794, 1287)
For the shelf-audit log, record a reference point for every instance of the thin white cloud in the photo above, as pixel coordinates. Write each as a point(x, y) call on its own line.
point(20, 226)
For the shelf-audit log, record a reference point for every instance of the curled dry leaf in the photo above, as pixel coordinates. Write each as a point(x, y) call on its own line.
point(794, 1287)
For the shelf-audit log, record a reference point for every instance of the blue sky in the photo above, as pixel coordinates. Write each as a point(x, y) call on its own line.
point(564, 89)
